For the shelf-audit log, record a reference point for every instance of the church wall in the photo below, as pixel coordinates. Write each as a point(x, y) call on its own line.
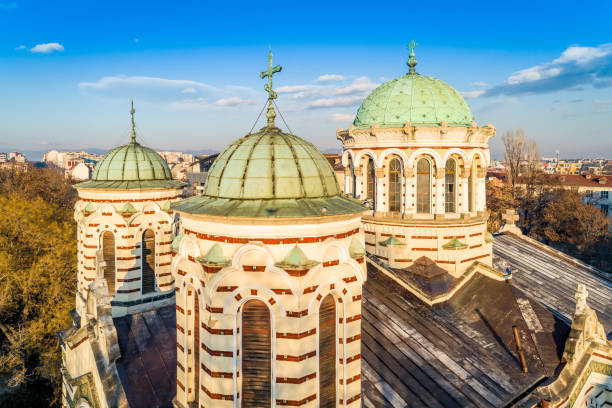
point(292, 297)
point(424, 234)
point(99, 211)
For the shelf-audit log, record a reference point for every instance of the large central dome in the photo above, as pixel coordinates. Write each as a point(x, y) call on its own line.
point(270, 174)
point(271, 164)
point(414, 98)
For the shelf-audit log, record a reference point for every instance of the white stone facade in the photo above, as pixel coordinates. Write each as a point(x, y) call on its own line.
point(98, 211)
point(255, 249)
point(425, 218)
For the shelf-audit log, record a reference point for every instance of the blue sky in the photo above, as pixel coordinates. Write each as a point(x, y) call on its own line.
point(69, 69)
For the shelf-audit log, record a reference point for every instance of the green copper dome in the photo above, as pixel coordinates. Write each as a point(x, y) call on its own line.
point(270, 174)
point(131, 166)
point(414, 98)
point(271, 164)
point(131, 162)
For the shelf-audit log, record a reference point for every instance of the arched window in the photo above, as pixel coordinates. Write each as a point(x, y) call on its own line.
point(450, 186)
point(327, 353)
point(108, 251)
point(193, 335)
point(148, 261)
point(371, 181)
point(256, 359)
point(423, 193)
point(395, 185)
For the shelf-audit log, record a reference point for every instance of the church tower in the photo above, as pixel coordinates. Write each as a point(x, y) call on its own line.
point(269, 268)
point(124, 218)
point(415, 153)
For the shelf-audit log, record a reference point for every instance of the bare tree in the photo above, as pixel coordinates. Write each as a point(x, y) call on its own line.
point(515, 145)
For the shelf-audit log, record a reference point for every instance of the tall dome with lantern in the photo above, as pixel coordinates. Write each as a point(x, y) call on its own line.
point(415, 153)
point(270, 250)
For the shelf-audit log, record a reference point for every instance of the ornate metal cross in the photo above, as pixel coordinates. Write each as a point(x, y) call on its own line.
point(411, 59)
point(270, 114)
point(132, 112)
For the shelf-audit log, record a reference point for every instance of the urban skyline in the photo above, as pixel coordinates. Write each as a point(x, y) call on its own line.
point(196, 84)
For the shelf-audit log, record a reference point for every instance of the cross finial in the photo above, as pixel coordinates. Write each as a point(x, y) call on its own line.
point(132, 111)
point(270, 114)
point(412, 61)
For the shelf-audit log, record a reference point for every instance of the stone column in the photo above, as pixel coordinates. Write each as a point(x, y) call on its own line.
point(347, 181)
point(464, 191)
point(359, 183)
point(409, 200)
point(380, 198)
point(439, 191)
point(481, 189)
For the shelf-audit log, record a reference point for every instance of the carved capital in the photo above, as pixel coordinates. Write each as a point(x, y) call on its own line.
point(350, 130)
point(379, 172)
point(440, 173)
point(407, 129)
point(443, 128)
point(409, 172)
point(358, 171)
point(347, 171)
point(374, 129)
point(481, 172)
point(465, 172)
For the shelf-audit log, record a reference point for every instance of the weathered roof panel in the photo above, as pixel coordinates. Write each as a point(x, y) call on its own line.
point(553, 280)
point(460, 354)
point(147, 367)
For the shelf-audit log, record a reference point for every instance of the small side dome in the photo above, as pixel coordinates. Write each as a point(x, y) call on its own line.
point(414, 98)
point(132, 166)
point(131, 162)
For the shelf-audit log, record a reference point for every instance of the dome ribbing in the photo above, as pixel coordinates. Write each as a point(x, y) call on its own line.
point(414, 98)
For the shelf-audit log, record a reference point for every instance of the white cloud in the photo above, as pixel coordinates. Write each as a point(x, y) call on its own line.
point(473, 94)
point(361, 84)
point(106, 83)
point(576, 67)
point(47, 48)
point(234, 102)
point(346, 92)
point(334, 102)
point(479, 83)
point(343, 117)
point(19, 48)
point(171, 91)
point(330, 77)
point(295, 88)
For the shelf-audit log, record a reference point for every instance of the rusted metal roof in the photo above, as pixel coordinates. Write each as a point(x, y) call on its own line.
point(147, 367)
point(552, 278)
point(459, 354)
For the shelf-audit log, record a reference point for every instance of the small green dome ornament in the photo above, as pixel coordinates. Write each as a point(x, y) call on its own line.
point(132, 166)
point(413, 98)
